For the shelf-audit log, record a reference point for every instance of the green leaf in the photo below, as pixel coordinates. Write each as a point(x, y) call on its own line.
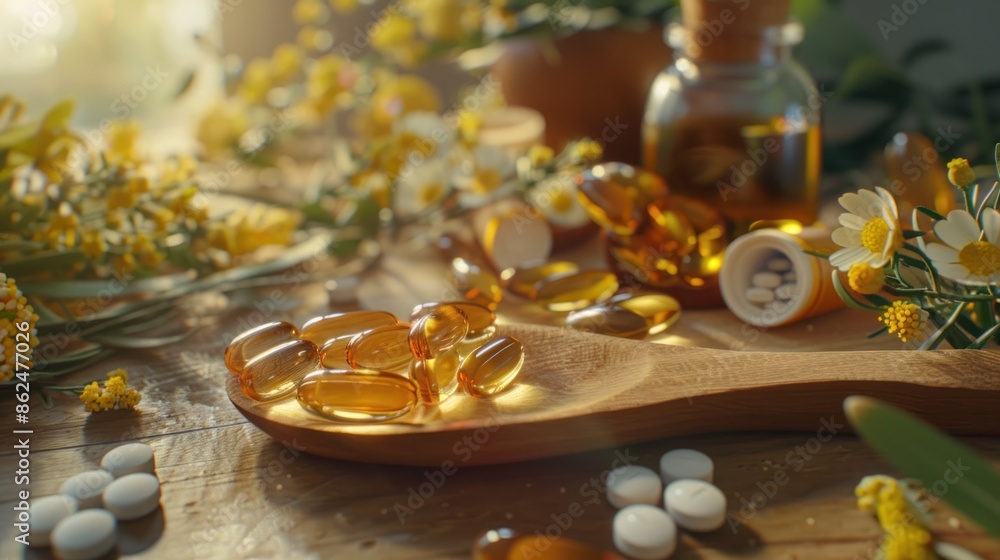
point(59, 115)
point(847, 297)
point(936, 338)
point(133, 343)
point(913, 233)
point(877, 300)
point(984, 338)
point(816, 253)
point(878, 332)
point(834, 38)
point(928, 212)
point(872, 78)
point(925, 453)
point(923, 48)
point(51, 260)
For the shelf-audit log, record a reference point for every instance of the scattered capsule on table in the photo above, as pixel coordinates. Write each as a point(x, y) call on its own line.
point(615, 195)
point(482, 320)
point(383, 348)
point(576, 291)
point(476, 284)
point(608, 320)
point(669, 230)
point(507, 544)
point(321, 330)
point(256, 341)
point(492, 368)
point(353, 396)
point(275, 373)
point(437, 331)
point(524, 281)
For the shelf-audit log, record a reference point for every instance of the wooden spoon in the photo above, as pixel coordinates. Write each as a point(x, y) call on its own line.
point(582, 391)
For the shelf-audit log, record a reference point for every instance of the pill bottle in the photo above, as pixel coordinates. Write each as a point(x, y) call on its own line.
point(813, 291)
point(734, 122)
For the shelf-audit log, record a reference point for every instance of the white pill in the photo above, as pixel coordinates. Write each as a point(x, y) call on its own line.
point(789, 276)
point(695, 505)
point(766, 280)
point(786, 291)
point(634, 485)
point(45, 514)
point(778, 264)
point(84, 535)
point(686, 463)
point(86, 487)
point(759, 295)
point(644, 532)
point(132, 496)
point(129, 458)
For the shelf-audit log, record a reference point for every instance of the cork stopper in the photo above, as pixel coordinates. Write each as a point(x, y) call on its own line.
point(732, 31)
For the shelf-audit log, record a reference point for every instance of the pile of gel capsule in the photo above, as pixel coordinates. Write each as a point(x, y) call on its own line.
point(80, 522)
point(651, 507)
point(367, 366)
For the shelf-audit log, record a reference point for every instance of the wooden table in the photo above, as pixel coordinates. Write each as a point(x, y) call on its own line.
point(229, 491)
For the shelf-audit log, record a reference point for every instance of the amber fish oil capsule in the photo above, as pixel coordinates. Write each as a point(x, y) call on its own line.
point(615, 195)
point(321, 330)
point(257, 341)
point(436, 332)
point(476, 284)
point(525, 281)
point(576, 291)
point(383, 348)
point(352, 396)
point(482, 320)
point(492, 368)
point(275, 373)
point(609, 320)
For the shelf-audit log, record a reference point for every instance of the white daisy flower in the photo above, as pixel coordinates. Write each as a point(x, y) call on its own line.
point(871, 232)
point(425, 133)
point(556, 198)
point(971, 254)
point(421, 188)
point(486, 175)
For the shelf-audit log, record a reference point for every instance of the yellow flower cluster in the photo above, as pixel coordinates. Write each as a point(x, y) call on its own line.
point(14, 312)
point(960, 173)
point(865, 278)
point(905, 538)
point(114, 394)
point(246, 230)
point(905, 319)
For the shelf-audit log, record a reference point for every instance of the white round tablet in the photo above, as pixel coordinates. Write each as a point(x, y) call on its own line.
point(686, 463)
point(644, 532)
point(634, 485)
point(129, 458)
point(86, 487)
point(45, 514)
point(84, 535)
point(132, 496)
point(695, 505)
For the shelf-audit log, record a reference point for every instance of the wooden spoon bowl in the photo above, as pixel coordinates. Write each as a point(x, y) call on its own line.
point(581, 391)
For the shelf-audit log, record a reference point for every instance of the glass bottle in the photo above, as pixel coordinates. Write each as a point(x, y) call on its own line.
point(734, 122)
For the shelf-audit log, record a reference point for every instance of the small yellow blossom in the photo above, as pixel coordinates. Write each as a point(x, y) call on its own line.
point(439, 20)
point(123, 142)
point(959, 172)
point(310, 12)
point(146, 251)
point(540, 155)
point(314, 39)
point(905, 538)
point(61, 231)
point(220, 130)
point(120, 197)
point(469, 125)
point(286, 63)
point(93, 245)
point(866, 279)
point(344, 6)
point(904, 319)
point(16, 317)
point(588, 150)
point(114, 394)
point(257, 81)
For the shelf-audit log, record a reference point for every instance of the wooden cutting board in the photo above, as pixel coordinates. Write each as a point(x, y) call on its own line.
point(581, 391)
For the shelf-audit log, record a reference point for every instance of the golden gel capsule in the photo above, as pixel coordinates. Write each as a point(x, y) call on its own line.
point(492, 368)
point(333, 355)
point(275, 373)
point(439, 330)
point(659, 311)
point(353, 396)
point(437, 378)
point(383, 348)
point(615, 195)
point(476, 284)
point(494, 544)
point(508, 544)
point(577, 291)
point(609, 320)
point(482, 321)
point(321, 330)
point(524, 281)
point(257, 341)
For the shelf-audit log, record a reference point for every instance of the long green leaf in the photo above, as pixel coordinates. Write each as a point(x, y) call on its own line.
point(925, 453)
point(136, 343)
point(110, 287)
point(984, 338)
point(935, 339)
